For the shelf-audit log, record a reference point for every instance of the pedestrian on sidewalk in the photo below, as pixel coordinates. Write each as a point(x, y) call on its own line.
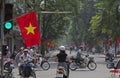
point(71, 49)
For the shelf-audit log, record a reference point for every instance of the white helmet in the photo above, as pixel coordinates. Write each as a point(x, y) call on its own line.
point(62, 47)
point(25, 50)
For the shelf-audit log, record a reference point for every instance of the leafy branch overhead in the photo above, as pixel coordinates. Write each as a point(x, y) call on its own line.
point(106, 20)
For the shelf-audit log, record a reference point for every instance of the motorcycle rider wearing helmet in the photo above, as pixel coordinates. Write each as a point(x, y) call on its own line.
point(24, 57)
point(62, 57)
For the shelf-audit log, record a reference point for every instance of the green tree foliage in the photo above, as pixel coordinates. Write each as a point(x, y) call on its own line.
point(105, 24)
point(53, 25)
point(81, 22)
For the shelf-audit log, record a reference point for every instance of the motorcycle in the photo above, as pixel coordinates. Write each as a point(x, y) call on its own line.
point(85, 62)
point(43, 63)
point(9, 66)
point(109, 57)
point(62, 72)
point(110, 64)
point(28, 70)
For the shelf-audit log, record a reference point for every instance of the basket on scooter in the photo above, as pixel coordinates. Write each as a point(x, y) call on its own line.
point(60, 69)
point(61, 72)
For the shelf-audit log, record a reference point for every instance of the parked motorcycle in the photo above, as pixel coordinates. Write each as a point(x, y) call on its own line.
point(86, 62)
point(43, 63)
point(62, 72)
point(28, 70)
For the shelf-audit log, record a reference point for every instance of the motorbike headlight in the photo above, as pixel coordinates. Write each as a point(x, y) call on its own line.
point(32, 68)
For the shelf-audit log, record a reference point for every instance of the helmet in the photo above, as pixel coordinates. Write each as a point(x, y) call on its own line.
point(25, 50)
point(79, 50)
point(62, 47)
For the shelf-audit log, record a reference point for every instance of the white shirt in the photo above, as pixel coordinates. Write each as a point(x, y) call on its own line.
point(111, 50)
point(23, 58)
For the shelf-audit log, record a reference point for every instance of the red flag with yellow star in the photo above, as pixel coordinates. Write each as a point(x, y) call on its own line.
point(29, 28)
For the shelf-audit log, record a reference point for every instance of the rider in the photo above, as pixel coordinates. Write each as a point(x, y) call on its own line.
point(24, 57)
point(32, 52)
point(62, 57)
point(79, 55)
point(17, 60)
point(6, 57)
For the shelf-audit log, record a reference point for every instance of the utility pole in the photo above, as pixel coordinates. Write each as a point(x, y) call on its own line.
point(2, 35)
point(118, 19)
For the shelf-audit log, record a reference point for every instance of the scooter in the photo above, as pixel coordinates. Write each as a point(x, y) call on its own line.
point(62, 72)
point(9, 66)
point(43, 63)
point(86, 62)
point(28, 70)
point(109, 57)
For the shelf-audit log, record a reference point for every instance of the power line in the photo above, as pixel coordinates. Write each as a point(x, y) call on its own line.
point(55, 12)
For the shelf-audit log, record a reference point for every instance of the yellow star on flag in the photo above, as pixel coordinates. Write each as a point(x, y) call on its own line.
point(30, 29)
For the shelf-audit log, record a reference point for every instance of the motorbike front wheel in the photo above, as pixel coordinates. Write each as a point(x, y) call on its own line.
point(72, 66)
point(33, 75)
point(9, 75)
point(92, 66)
point(45, 65)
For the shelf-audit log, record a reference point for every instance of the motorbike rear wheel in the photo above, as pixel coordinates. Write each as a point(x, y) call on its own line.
point(9, 75)
point(45, 65)
point(72, 66)
point(92, 66)
point(22, 75)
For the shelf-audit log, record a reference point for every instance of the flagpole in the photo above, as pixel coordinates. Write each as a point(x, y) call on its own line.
point(39, 25)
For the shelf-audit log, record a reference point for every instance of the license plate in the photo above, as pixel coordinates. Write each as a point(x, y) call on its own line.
point(59, 75)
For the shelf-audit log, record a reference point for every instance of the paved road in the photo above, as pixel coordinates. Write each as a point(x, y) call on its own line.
point(100, 72)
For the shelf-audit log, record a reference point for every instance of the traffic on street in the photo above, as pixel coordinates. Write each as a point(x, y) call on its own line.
point(59, 38)
point(100, 71)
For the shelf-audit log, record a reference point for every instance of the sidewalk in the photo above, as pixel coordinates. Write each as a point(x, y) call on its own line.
point(103, 56)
